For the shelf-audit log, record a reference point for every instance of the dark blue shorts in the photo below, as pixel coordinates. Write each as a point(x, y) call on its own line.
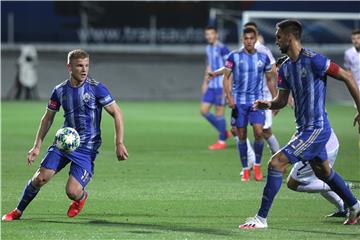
point(81, 167)
point(214, 96)
point(247, 114)
point(308, 145)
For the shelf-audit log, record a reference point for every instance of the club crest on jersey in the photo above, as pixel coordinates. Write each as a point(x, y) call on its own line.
point(86, 97)
point(303, 73)
point(260, 64)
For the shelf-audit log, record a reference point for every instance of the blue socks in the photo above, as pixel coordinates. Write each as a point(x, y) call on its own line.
point(218, 123)
point(242, 146)
point(337, 184)
point(272, 187)
point(258, 149)
point(28, 195)
point(222, 128)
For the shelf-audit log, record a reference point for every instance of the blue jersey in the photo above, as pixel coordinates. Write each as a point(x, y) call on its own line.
point(216, 56)
point(82, 110)
point(306, 79)
point(248, 75)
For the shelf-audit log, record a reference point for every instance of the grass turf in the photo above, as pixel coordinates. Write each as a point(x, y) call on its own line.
point(171, 187)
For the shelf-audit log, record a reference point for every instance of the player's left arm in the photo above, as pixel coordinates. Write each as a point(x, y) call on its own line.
point(341, 74)
point(114, 110)
point(270, 81)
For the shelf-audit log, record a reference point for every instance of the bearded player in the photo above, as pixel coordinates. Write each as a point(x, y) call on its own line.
point(304, 75)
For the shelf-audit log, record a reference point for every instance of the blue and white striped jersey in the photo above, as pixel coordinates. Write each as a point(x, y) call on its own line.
point(306, 79)
point(216, 56)
point(82, 110)
point(248, 75)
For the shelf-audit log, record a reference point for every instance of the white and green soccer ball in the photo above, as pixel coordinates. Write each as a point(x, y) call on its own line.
point(67, 139)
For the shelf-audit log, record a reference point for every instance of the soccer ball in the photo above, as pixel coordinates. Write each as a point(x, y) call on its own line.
point(67, 139)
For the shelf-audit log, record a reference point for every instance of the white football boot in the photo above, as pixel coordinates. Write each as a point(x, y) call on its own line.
point(253, 223)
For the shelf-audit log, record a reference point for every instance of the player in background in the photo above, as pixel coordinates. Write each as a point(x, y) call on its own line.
point(82, 100)
point(352, 57)
point(212, 89)
point(267, 131)
point(304, 74)
point(247, 68)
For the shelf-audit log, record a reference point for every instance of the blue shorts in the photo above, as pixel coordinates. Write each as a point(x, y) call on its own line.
point(214, 96)
point(247, 114)
point(81, 167)
point(308, 145)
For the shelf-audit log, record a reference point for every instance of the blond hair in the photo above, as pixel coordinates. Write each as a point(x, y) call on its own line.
point(77, 54)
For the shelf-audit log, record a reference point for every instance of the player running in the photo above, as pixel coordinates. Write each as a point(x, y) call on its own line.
point(302, 179)
point(212, 89)
point(82, 100)
point(352, 57)
point(248, 66)
point(304, 74)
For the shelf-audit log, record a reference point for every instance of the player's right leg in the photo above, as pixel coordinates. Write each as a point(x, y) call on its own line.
point(40, 178)
point(276, 168)
point(51, 164)
point(241, 130)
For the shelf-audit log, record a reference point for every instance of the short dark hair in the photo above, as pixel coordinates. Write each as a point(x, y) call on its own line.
point(210, 27)
point(250, 24)
point(292, 26)
point(249, 30)
point(355, 31)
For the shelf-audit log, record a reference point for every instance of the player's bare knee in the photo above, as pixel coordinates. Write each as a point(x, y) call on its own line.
point(73, 193)
point(277, 162)
point(39, 180)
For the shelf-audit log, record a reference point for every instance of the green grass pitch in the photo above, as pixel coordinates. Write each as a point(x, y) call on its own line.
point(171, 187)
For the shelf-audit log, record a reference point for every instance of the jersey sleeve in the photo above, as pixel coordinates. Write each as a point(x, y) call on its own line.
point(320, 64)
point(347, 62)
point(268, 65)
point(103, 95)
point(270, 56)
point(229, 63)
point(54, 102)
point(282, 81)
point(224, 52)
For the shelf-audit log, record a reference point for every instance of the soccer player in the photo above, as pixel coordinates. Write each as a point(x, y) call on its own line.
point(304, 74)
point(352, 57)
point(247, 68)
point(267, 131)
point(82, 99)
point(302, 179)
point(212, 89)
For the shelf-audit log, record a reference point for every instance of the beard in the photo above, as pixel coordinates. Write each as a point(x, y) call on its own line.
point(284, 49)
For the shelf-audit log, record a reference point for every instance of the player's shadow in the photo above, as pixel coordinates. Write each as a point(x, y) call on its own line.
point(150, 228)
